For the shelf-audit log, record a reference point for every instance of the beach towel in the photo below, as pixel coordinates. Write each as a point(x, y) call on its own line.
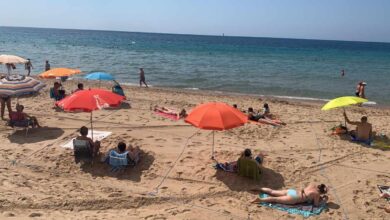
point(97, 136)
point(304, 209)
point(228, 166)
point(367, 142)
point(166, 115)
point(384, 189)
point(248, 168)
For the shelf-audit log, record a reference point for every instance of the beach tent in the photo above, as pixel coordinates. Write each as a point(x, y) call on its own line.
point(216, 116)
point(89, 101)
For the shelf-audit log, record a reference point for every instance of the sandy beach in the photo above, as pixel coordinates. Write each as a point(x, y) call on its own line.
point(175, 178)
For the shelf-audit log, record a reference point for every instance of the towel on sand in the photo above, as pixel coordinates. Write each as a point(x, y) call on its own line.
point(166, 115)
point(384, 189)
point(304, 209)
point(228, 166)
point(97, 136)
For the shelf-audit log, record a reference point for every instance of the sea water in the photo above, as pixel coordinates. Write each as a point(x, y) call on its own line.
point(263, 66)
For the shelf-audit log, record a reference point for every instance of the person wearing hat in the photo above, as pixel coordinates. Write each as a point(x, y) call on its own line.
point(360, 89)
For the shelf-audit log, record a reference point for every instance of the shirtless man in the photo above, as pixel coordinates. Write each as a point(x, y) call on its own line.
point(360, 89)
point(312, 194)
point(94, 145)
point(142, 77)
point(363, 130)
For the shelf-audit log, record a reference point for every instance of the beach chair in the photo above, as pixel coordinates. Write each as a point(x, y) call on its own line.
point(82, 151)
point(55, 97)
point(248, 168)
point(118, 161)
point(20, 124)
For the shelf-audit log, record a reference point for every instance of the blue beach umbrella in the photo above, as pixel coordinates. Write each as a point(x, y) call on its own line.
point(99, 76)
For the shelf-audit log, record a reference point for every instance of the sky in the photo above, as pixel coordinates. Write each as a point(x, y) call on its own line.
point(356, 20)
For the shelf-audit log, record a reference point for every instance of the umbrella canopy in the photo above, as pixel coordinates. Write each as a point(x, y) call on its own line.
point(343, 101)
point(216, 116)
point(19, 86)
point(90, 100)
point(11, 59)
point(99, 76)
point(59, 72)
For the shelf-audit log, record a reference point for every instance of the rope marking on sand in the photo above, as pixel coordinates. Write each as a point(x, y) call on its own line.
point(322, 171)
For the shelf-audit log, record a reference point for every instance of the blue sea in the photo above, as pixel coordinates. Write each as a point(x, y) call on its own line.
point(253, 65)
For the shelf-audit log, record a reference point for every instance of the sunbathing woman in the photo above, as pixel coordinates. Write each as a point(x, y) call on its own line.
point(169, 111)
point(253, 116)
point(311, 194)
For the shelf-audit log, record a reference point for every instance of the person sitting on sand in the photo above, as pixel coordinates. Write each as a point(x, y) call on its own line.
point(313, 194)
point(363, 130)
point(169, 111)
point(19, 118)
point(80, 87)
point(56, 92)
point(253, 116)
point(132, 153)
point(95, 146)
point(266, 111)
point(247, 153)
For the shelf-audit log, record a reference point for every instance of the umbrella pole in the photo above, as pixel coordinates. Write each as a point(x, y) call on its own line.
point(345, 120)
point(91, 127)
point(212, 151)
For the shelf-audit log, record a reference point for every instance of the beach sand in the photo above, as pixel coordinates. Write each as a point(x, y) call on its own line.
point(175, 178)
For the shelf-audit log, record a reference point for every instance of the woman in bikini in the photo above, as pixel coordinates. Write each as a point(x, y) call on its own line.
point(312, 194)
point(165, 110)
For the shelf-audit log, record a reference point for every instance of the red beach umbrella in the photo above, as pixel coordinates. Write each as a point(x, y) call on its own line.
point(216, 116)
point(90, 100)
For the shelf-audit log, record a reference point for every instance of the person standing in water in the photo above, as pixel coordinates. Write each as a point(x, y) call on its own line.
point(28, 66)
point(360, 89)
point(342, 73)
point(142, 77)
point(47, 65)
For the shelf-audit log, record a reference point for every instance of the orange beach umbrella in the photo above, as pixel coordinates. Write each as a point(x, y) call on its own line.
point(216, 116)
point(59, 72)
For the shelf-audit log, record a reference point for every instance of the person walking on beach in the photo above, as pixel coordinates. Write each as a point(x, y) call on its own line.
point(5, 101)
point(142, 77)
point(47, 65)
point(28, 66)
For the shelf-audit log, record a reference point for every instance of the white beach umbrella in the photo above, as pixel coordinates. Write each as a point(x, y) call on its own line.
point(11, 59)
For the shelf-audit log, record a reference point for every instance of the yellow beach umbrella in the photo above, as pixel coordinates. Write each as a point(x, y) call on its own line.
point(59, 72)
point(343, 101)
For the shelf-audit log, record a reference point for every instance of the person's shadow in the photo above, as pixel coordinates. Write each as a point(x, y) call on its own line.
point(268, 178)
point(35, 135)
point(129, 173)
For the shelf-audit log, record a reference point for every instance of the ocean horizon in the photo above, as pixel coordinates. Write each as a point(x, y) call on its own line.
point(283, 67)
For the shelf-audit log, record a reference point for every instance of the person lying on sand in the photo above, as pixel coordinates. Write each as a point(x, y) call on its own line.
point(313, 194)
point(19, 118)
point(165, 110)
point(255, 116)
point(95, 146)
point(132, 153)
point(363, 130)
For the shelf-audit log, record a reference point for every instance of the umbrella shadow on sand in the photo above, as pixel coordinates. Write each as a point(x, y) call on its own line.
point(35, 135)
point(102, 169)
point(269, 178)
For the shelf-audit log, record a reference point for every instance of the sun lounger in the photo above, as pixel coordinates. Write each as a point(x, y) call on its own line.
point(82, 151)
point(24, 124)
point(248, 168)
point(304, 209)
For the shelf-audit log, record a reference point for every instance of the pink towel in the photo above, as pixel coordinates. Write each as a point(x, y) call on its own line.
point(165, 115)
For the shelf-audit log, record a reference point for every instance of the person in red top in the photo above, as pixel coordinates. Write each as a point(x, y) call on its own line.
point(19, 118)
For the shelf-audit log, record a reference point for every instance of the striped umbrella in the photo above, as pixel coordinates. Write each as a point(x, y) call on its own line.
point(19, 86)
